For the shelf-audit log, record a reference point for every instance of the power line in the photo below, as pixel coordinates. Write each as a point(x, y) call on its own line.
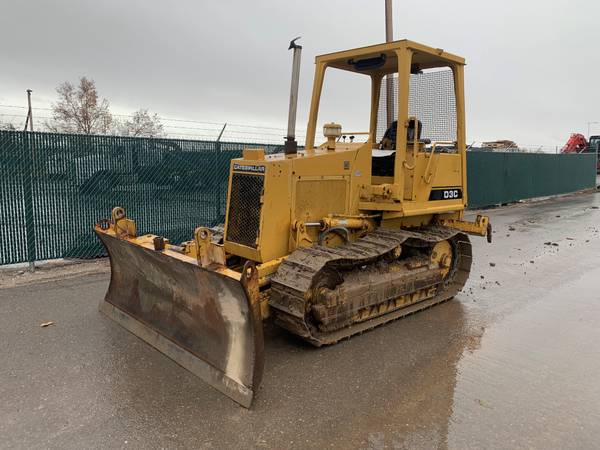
point(170, 119)
point(228, 132)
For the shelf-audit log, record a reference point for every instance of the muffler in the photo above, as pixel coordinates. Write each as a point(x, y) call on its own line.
point(291, 146)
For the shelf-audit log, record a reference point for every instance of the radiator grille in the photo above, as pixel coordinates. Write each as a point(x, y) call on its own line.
point(243, 224)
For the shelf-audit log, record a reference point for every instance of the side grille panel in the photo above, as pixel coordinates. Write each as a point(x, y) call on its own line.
point(243, 226)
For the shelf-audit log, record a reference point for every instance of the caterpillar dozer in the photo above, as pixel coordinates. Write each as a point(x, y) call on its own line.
point(327, 241)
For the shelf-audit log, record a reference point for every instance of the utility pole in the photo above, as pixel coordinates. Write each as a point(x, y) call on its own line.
point(218, 141)
point(29, 119)
point(222, 131)
point(389, 80)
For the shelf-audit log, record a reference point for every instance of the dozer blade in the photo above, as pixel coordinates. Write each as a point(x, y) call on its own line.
point(203, 319)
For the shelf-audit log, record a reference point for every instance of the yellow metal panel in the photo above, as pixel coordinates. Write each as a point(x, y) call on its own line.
point(445, 170)
point(360, 176)
point(441, 206)
point(233, 248)
point(316, 198)
point(257, 154)
point(324, 162)
point(275, 220)
point(275, 211)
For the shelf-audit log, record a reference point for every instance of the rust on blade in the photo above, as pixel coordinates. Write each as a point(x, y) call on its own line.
point(207, 320)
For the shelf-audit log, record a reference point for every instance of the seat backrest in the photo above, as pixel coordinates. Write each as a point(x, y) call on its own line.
point(388, 142)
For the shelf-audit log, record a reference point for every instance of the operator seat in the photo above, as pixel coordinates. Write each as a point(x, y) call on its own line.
point(382, 161)
point(388, 142)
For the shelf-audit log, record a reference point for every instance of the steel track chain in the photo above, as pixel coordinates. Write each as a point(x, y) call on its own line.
point(291, 285)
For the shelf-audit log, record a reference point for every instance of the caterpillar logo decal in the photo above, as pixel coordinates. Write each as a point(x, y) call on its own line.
point(445, 194)
point(248, 168)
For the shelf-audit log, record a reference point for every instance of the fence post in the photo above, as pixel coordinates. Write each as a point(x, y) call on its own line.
point(218, 141)
point(27, 149)
point(217, 156)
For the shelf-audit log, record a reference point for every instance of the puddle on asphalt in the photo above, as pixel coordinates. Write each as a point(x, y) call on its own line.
point(534, 382)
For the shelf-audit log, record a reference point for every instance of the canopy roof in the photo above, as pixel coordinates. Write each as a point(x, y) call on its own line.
point(382, 58)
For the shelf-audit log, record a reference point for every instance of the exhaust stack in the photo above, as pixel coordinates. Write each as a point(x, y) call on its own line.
point(291, 146)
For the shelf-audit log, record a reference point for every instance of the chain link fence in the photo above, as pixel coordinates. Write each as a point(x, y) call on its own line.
point(55, 187)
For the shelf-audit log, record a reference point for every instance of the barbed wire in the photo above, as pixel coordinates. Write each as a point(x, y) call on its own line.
point(207, 130)
point(172, 127)
point(162, 118)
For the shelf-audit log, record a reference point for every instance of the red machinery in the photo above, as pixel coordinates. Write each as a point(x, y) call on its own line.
point(577, 143)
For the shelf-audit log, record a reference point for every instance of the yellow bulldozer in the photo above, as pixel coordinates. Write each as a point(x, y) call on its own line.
point(327, 241)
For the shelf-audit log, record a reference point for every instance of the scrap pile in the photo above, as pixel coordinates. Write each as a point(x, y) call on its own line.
point(501, 145)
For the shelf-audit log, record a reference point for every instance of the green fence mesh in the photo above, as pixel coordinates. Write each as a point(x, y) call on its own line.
point(55, 187)
point(495, 178)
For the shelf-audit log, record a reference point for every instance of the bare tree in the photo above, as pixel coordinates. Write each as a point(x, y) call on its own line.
point(142, 124)
point(7, 126)
point(80, 110)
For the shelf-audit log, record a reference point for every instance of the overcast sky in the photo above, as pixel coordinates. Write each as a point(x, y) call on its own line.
point(531, 73)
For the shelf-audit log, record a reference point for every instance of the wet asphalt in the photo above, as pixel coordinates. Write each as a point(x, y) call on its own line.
point(512, 362)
